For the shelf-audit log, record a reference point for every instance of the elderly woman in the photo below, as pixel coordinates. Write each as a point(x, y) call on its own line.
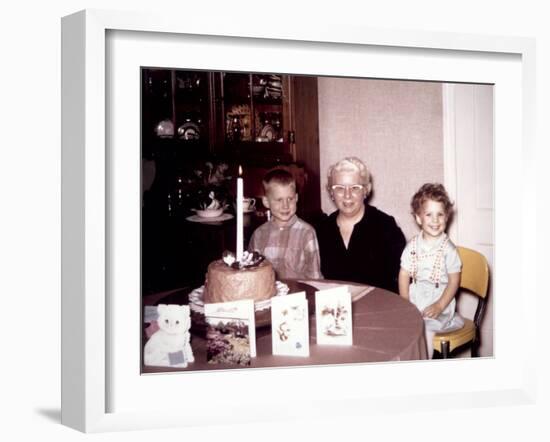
point(358, 242)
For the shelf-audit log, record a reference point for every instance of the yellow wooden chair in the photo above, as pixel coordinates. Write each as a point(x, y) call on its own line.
point(474, 278)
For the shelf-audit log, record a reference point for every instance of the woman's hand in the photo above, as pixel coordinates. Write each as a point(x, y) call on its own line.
point(432, 311)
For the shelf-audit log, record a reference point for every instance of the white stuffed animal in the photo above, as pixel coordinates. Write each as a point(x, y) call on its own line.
point(169, 346)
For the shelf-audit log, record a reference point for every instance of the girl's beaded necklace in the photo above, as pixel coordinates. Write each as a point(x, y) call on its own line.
point(435, 275)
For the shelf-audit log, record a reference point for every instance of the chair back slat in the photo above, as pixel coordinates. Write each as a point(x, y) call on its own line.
point(475, 271)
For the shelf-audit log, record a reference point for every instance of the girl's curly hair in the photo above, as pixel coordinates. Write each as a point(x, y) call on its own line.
point(434, 192)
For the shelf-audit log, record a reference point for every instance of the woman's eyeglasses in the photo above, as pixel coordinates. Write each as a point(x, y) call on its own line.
point(340, 189)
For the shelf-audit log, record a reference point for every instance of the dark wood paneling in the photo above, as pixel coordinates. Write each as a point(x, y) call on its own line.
point(305, 116)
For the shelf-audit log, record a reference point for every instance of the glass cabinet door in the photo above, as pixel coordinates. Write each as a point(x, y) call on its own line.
point(237, 107)
point(267, 91)
point(191, 105)
point(255, 110)
point(242, 116)
point(156, 100)
point(176, 109)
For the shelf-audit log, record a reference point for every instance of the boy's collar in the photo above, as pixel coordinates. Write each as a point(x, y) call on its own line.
point(290, 223)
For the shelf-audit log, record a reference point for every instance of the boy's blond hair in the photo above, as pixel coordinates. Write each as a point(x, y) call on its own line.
point(278, 176)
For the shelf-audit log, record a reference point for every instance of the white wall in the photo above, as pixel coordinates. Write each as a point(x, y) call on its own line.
point(395, 127)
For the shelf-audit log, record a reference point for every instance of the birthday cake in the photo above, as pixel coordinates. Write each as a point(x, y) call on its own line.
point(235, 282)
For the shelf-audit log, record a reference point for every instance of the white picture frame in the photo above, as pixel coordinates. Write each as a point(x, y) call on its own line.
point(87, 210)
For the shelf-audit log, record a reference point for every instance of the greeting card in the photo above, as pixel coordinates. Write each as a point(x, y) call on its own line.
point(333, 316)
point(290, 325)
point(230, 332)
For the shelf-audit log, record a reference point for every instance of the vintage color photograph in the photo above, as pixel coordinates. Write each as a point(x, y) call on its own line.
point(259, 185)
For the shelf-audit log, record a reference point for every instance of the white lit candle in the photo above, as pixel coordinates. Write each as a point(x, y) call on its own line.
point(240, 236)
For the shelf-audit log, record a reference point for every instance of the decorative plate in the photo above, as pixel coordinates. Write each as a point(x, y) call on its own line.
point(189, 131)
point(268, 132)
point(165, 129)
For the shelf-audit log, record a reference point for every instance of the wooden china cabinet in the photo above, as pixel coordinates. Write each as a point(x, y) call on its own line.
point(190, 118)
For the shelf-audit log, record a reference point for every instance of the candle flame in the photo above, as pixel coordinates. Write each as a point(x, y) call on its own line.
point(240, 170)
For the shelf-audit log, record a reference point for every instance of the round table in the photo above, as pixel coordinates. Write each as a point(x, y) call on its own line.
point(385, 328)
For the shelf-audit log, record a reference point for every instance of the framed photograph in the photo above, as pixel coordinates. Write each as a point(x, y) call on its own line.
point(104, 54)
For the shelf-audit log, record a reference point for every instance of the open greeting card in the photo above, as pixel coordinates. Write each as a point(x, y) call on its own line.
point(333, 316)
point(230, 332)
point(290, 325)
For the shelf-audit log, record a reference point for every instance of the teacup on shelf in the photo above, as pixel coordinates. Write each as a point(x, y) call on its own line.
point(249, 204)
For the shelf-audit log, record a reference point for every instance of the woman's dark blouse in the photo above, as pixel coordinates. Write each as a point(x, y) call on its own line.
point(373, 254)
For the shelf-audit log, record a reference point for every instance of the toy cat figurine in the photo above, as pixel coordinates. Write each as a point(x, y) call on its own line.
point(169, 346)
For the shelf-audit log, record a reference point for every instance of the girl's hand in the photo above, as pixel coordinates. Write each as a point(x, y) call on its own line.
point(432, 311)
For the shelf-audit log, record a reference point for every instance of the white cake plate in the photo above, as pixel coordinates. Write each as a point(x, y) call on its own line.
point(196, 303)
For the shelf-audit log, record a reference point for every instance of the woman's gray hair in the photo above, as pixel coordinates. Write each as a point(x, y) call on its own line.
point(351, 164)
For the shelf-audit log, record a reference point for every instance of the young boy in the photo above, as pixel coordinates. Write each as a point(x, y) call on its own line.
point(288, 242)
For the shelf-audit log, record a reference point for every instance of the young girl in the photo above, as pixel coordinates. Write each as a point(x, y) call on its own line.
point(430, 266)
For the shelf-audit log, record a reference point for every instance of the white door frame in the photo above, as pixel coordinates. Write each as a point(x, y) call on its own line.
point(449, 151)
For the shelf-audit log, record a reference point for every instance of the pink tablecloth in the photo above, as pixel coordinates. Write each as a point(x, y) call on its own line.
point(385, 328)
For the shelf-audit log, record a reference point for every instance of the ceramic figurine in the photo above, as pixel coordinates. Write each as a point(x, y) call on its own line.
point(170, 345)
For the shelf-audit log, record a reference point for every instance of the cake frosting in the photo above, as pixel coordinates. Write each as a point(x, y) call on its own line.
point(227, 283)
